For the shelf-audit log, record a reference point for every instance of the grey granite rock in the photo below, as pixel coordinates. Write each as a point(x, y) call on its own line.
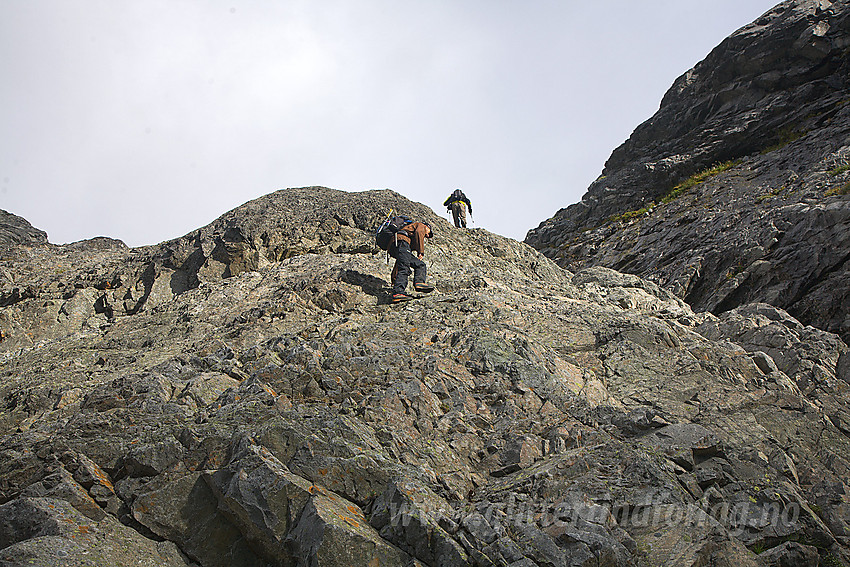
point(46, 532)
point(286, 414)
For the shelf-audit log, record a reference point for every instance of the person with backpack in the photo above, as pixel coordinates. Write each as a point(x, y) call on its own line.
point(457, 204)
point(408, 249)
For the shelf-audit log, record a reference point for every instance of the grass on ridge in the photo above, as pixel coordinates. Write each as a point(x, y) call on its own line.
point(677, 191)
point(696, 179)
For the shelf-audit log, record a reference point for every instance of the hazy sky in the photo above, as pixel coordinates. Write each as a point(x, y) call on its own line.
point(143, 120)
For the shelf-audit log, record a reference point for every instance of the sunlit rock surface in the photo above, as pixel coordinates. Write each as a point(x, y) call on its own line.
point(246, 395)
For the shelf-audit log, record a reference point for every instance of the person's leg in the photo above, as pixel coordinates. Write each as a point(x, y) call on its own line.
point(462, 215)
point(420, 270)
point(456, 213)
point(404, 260)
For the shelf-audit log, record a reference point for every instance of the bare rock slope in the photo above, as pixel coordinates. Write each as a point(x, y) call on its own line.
point(736, 190)
point(246, 396)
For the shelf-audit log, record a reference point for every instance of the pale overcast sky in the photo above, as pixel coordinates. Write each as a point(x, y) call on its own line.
point(145, 119)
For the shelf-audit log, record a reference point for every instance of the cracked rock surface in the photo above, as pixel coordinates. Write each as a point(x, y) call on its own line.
point(246, 395)
point(769, 105)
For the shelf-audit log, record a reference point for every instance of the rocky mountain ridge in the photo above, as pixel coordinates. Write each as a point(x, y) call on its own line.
point(736, 190)
point(245, 395)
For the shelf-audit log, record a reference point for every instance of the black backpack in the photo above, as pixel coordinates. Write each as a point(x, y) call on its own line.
point(385, 234)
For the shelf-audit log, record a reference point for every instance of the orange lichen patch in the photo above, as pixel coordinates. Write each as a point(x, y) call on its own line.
point(323, 472)
point(356, 511)
point(84, 529)
point(215, 461)
point(350, 521)
point(104, 480)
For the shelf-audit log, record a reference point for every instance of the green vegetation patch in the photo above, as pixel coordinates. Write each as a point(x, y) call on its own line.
point(785, 136)
point(769, 195)
point(758, 548)
point(840, 169)
point(696, 179)
point(629, 215)
point(676, 191)
point(839, 190)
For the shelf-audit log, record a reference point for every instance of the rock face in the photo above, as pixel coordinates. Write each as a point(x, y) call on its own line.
point(245, 395)
point(15, 230)
point(736, 190)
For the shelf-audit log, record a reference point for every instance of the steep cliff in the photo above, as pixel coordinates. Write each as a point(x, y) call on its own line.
point(736, 190)
point(246, 396)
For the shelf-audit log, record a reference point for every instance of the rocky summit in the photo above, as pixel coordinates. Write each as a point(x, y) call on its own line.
point(738, 189)
point(246, 395)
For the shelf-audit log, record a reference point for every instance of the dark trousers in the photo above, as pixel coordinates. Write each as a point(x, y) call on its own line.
point(404, 261)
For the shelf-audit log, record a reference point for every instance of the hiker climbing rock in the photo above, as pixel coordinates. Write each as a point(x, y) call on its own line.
point(408, 250)
point(457, 204)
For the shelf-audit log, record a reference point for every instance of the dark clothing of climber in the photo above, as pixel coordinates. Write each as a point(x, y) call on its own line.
point(404, 262)
point(408, 251)
point(457, 203)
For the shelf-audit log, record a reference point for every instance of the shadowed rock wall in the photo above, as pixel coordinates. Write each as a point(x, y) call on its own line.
point(770, 103)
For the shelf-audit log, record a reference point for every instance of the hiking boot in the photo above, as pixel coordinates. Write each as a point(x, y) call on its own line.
point(423, 287)
point(399, 297)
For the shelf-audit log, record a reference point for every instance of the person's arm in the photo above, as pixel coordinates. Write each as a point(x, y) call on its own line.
point(417, 239)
